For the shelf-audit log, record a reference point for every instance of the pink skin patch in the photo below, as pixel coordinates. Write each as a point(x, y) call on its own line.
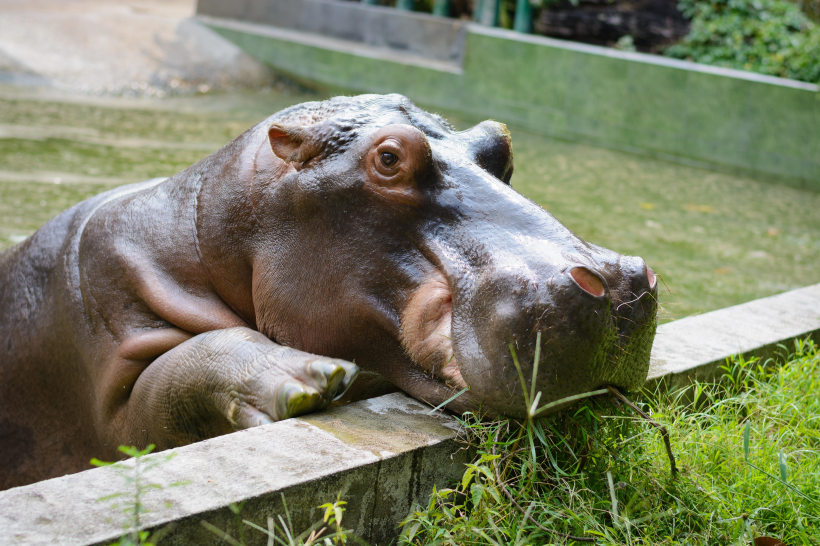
point(586, 280)
point(650, 275)
point(426, 330)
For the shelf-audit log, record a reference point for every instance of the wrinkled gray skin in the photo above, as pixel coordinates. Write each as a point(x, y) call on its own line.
point(240, 291)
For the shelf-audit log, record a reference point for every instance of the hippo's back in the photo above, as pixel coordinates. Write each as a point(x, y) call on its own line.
point(30, 272)
point(40, 378)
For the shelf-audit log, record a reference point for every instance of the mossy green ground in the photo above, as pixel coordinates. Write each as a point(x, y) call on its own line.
point(715, 239)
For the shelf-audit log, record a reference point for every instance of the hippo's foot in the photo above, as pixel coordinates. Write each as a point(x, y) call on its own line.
point(227, 380)
point(262, 382)
point(313, 385)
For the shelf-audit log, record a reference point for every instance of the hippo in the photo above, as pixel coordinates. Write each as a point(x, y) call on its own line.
point(357, 234)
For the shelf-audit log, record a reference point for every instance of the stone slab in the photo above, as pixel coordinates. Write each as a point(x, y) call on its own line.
point(332, 43)
point(381, 455)
point(696, 347)
point(398, 30)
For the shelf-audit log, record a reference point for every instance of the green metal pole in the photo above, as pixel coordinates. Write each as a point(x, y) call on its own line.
point(488, 12)
point(523, 16)
point(479, 8)
point(441, 8)
point(405, 5)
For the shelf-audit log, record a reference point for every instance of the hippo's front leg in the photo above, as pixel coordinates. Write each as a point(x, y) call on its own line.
point(227, 380)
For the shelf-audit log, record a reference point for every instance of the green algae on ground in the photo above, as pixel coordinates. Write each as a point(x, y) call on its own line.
point(715, 239)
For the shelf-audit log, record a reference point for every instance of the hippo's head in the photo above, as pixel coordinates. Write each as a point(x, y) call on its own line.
point(385, 237)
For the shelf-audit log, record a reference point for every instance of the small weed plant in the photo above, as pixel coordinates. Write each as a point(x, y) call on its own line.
point(748, 466)
point(130, 501)
point(326, 532)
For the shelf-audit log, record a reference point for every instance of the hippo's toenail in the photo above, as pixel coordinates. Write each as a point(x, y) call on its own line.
point(287, 392)
point(303, 402)
point(327, 374)
point(351, 373)
point(588, 281)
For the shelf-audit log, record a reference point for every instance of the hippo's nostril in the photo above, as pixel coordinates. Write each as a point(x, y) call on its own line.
point(588, 281)
point(650, 276)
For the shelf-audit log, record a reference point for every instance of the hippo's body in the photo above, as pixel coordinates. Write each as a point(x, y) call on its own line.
point(240, 291)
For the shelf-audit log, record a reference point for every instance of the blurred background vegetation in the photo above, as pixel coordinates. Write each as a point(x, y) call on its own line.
point(773, 37)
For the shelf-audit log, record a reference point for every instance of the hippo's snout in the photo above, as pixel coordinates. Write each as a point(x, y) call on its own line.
point(595, 323)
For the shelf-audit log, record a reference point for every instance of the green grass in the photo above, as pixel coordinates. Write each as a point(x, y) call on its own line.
point(62, 155)
point(715, 239)
point(748, 453)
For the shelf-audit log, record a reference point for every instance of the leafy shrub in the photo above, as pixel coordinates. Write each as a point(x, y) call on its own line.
point(772, 37)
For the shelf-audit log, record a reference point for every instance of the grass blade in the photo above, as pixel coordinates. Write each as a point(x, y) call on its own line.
point(456, 395)
point(568, 399)
point(520, 375)
point(535, 360)
point(220, 533)
point(612, 496)
point(784, 469)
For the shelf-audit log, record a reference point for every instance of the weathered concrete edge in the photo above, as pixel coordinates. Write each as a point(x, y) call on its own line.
point(382, 455)
point(330, 43)
point(695, 348)
point(423, 34)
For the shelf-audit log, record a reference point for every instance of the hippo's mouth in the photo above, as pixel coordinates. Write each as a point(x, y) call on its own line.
point(427, 331)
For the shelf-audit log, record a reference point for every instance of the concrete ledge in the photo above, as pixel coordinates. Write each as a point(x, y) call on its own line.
point(696, 347)
point(383, 455)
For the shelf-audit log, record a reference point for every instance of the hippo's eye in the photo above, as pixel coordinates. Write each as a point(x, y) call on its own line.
point(388, 159)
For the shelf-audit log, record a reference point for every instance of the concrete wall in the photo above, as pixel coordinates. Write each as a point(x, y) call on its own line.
point(723, 119)
point(418, 33)
point(695, 348)
point(665, 107)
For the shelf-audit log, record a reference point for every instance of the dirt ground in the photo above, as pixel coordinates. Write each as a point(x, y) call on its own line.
point(119, 47)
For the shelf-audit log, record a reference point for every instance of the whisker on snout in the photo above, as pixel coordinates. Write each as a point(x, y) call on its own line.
point(631, 301)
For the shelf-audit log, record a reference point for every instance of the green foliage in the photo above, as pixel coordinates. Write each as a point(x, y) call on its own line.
point(326, 532)
point(748, 453)
point(133, 472)
point(772, 37)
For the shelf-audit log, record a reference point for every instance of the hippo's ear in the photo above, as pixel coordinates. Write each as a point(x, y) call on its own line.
point(292, 143)
point(491, 147)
